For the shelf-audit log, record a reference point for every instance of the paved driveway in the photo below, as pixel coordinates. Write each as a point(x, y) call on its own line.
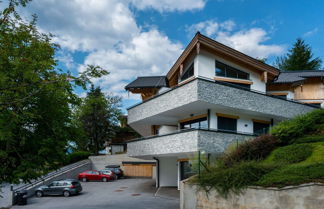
point(120, 194)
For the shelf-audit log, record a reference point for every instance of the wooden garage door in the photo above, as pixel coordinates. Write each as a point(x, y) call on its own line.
point(138, 170)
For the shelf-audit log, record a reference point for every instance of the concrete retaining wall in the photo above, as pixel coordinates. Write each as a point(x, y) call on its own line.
point(308, 196)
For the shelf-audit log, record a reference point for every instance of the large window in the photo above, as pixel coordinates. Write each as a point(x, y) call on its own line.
point(188, 73)
point(227, 124)
point(260, 128)
point(228, 71)
point(197, 123)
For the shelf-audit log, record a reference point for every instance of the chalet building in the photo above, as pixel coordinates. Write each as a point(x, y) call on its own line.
point(213, 96)
point(303, 86)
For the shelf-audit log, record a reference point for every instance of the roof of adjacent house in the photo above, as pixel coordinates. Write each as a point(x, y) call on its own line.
point(148, 82)
point(295, 76)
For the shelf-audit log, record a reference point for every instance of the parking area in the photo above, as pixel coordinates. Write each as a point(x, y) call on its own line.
point(120, 194)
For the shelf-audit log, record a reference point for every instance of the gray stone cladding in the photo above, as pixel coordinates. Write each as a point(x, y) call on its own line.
point(228, 96)
point(184, 142)
point(175, 98)
point(218, 94)
point(168, 144)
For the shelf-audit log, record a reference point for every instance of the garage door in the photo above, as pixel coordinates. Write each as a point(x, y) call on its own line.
point(138, 169)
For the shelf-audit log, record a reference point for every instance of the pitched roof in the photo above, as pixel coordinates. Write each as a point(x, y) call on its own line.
point(225, 51)
point(295, 76)
point(148, 82)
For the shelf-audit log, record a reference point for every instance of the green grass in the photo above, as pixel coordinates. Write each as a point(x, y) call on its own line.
point(297, 158)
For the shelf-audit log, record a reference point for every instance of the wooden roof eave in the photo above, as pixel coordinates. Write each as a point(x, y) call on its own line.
point(222, 49)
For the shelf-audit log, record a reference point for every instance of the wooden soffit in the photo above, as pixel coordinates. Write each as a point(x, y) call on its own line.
point(224, 51)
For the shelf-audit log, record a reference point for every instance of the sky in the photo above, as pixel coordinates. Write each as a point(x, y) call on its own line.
point(132, 38)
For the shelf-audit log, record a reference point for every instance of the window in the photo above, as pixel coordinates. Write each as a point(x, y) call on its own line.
point(228, 71)
point(228, 124)
point(282, 96)
point(188, 73)
point(260, 128)
point(197, 123)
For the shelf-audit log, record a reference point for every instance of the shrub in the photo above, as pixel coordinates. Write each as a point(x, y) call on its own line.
point(254, 149)
point(293, 175)
point(77, 156)
point(291, 154)
point(309, 139)
point(233, 179)
point(300, 126)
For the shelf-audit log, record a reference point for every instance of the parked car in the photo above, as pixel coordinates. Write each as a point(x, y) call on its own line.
point(109, 172)
point(62, 187)
point(95, 175)
point(116, 169)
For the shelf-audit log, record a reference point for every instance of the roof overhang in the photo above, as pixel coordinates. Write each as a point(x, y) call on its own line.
point(201, 41)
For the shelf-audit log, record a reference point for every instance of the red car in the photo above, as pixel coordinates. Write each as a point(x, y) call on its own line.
point(95, 175)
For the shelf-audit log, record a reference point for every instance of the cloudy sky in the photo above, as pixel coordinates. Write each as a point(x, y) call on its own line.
point(133, 38)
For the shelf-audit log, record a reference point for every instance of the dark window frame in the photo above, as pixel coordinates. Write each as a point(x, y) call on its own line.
point(220, 124)
point(191, 122)
point(229, 69)
point(188, 73)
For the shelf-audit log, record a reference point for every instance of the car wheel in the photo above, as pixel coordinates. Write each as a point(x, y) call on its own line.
point(39, 194)
point(104, 179)
point(84, 179)
point(66, 193)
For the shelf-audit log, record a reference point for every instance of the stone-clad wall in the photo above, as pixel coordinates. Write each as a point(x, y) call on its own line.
point(177, 97)
point(168, 144)
point(217, 142)
point(310, 196)
point(220, 95)
point(184, 142)
point(227, 96)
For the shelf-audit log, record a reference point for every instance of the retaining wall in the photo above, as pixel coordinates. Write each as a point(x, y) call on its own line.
point(307, 196)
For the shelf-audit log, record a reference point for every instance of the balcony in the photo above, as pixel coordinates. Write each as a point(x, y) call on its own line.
point(183, 143)
point(201, 94)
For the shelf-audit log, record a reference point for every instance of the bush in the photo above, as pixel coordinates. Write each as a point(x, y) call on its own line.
point(293, 175)
point(300, 126)
point(254, 149)
point(234, 179)
point(309, 139)
point(77, 156)
point(291, 154)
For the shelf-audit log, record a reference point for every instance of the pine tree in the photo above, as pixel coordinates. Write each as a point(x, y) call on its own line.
point(299, 57)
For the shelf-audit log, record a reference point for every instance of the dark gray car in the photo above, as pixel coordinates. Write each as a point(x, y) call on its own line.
point(63, 187)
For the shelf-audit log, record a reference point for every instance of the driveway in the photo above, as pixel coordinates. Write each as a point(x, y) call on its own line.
point(120, 194)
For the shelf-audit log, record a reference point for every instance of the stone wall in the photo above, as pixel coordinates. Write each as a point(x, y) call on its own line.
point(308, 196)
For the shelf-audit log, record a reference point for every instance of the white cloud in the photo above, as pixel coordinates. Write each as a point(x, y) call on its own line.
point(107, 31)
point(150, 53)
point(311, 32)
point(249, 41)
point(169, 5)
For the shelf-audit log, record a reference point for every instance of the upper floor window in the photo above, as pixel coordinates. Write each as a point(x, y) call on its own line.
point(227, 124)
point(197, 123)
point(228, 71)
point(188, 73)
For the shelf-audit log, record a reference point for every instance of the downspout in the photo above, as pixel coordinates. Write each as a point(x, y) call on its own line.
point(157, 172)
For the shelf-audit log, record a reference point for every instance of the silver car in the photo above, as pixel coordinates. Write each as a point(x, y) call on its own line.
point(63, 187)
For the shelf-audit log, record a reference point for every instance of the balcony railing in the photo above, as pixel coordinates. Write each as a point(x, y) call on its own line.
point(225, 84)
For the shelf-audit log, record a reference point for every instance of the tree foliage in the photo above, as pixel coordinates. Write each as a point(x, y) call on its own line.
point(97, 117)
point(299, 57)
point(35, 99)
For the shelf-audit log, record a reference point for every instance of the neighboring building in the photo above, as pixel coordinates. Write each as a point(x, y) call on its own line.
point(213, 96)
point(124, 133)
point(303, 86)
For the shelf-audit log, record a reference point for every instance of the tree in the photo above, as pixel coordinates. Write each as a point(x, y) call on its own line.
point(98, 117)
point(35, 99)
point(299, 57)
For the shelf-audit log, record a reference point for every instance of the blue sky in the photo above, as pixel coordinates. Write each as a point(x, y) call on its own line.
point(133, 38)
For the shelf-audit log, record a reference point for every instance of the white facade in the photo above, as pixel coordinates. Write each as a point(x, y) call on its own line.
point(205, 67)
